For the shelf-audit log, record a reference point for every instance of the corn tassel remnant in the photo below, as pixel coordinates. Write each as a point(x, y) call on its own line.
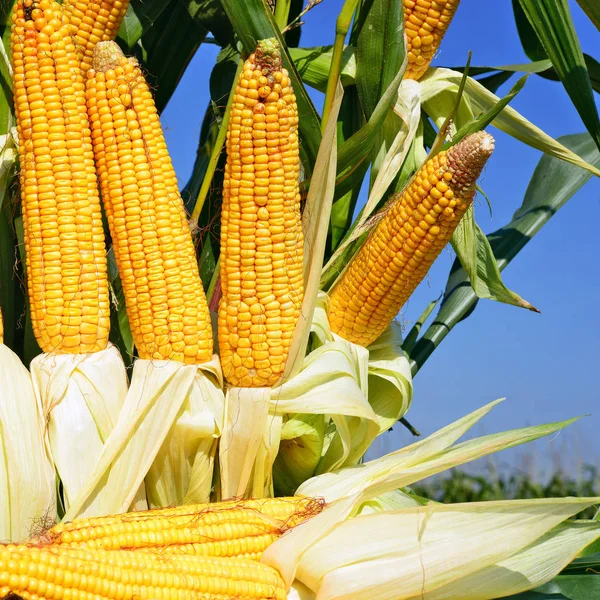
point(404, 244)
point(261, 226)
point(64, 239)
point(152, 242)
point(425, 24)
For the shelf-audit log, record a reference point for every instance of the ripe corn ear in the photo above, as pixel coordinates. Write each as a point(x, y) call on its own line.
point(232, 528)
point(425, 23)
point(45, 573)
point(261, 227)
point(93, 21)
point(152, 242)
point(403, 245)
point(64, 240)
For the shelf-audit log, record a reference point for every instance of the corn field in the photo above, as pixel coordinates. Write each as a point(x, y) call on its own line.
point(191, 376)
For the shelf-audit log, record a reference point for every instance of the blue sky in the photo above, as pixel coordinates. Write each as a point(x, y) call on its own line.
point(545, 365)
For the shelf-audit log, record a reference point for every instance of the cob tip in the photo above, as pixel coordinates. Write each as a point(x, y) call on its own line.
point(268, 55)
point(107, 56)
point(467, 158)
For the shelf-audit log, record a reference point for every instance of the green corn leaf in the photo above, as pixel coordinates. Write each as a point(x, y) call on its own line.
point(313, 65)
point(551, 21)
point(139, 17)
point(120, 330)
point(169, 45)
point(413, 334)
point(378, 57)
point(553, 183)
point(210, 14)
point(252, 20)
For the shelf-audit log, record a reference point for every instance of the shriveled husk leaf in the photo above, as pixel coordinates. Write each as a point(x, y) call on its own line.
point(81, 397)
point(182, 472)
point(438, 89)
point(27, 475)
point(161, 391)
point(412, 552)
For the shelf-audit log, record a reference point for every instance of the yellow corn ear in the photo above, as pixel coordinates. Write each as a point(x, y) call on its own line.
point(64, 239)
point(425, 23)
point(261, 227)
point(232, 528)
point(403, 245)
point(53, 572)
point(152, 242)
point(93, 21)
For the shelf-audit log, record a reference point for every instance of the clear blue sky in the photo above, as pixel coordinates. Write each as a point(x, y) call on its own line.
point(546, 365)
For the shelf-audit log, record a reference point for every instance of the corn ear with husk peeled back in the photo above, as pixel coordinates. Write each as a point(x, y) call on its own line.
point(262, 249)
point(42, 573)
point(425, 24)
point(93, 21)
point(176, 381)
point(80, 379)
point(239, 528)
point(27, 476)
point(414, 229)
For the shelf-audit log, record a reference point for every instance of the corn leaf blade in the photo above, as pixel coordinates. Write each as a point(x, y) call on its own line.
point(592, 10)
point(553, 26)
point(139, 17)
point(313, 65)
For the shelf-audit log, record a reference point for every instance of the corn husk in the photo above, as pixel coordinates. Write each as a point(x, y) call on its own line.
point(373, 541)
point(472, 551)
point(158, 419)
point(439, 88)
point(81, 396)
point(27, 475)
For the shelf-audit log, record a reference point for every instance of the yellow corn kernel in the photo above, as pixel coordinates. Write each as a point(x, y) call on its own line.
point(261, 227)
point(231, 528)
point(54, 572)
point(403, 245)
point(64, 240)
point(425, 22)
point(93, 21)
point(152, 242)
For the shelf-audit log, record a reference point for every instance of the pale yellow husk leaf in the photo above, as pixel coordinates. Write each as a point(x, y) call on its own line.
point(472, 551)
point(439, 88)
point(81, 397)
point(27, 475)
point(160, 392)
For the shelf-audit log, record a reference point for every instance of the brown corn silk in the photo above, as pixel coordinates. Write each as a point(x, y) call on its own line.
point(152, 242)
point(403, 245)
point(93, 21)
point(261, 226)
point(232, 528)
point(64, 239)
point(54, 572)
point(425, 24)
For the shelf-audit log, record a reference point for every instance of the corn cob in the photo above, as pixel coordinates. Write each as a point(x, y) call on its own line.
point(152, 242)
point(232, 528)
point(261, 228)
point(425, 23)
point(64, 240)
point(409, 237)
point(93, 21)
point(40, 573)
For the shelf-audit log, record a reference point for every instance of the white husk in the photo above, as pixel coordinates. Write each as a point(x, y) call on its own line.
point(81, 397)
point(160, 393)
point(412, 552)
point(27, 476)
